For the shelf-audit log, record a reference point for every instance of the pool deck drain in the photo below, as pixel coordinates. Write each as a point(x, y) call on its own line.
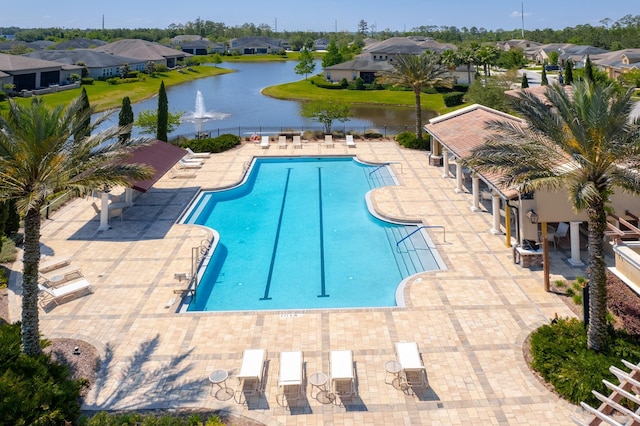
point(470, 321)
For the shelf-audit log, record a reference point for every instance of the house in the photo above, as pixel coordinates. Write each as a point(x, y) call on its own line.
point(517, 43)
point(255, 45)
point(31, 73)
point(617, 63)
point(144, 51)
point(321, 44)
point(202, 47)
point(363, 68)
point(80, 43)
point(98, 64)
point(179, 40)
point(566, 51)
point(379, 56)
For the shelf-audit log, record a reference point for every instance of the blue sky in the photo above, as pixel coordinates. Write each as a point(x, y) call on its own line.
point(326, 15)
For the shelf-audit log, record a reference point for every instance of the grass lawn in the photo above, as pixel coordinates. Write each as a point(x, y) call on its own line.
point(306, 91)
point(104, 96)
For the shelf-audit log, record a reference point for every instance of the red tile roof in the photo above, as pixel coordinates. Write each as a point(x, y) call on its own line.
point(465, 129)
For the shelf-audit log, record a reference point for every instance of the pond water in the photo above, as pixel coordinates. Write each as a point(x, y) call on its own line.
point(235, 102)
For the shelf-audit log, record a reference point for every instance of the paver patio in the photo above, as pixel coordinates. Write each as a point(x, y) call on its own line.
point(470, 321)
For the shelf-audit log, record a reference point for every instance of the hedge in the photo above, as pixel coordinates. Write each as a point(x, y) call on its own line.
point(219, 144)
point(453, 99)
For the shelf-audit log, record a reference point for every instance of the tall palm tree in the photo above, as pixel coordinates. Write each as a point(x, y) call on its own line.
point(586, 144)
point(38, 157)
point(468, 57)
point(417, 72)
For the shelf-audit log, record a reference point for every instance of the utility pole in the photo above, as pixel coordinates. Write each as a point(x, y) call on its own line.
point(103, 22)
point(276, 26)
point(522, 15)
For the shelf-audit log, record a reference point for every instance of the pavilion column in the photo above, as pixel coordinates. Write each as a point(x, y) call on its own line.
point(575, 244)
point(475, 189)
point(104, 212)
point(445, 162)
point(459, 175)
point(128, 196)
point(495, 206)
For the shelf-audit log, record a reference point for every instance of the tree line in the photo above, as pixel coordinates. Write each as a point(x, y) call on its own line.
point(623, 33)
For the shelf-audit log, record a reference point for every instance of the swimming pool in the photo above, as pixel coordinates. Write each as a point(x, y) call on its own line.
point(297, 234)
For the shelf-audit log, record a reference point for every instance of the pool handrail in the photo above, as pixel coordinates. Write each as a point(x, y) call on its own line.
point(444, 233)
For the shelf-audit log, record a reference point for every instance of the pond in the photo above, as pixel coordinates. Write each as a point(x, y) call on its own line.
point(236, 104)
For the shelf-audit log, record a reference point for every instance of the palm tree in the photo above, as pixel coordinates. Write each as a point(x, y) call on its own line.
point(468, 57)
point(417, 72)
point(584, 143)
point(38, 157)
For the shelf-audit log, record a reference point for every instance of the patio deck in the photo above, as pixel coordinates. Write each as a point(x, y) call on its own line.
point(469, 321)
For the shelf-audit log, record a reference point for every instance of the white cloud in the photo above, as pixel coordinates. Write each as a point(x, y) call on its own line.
point(518, 14)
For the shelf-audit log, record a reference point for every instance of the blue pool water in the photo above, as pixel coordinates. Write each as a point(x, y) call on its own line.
point(297, 234)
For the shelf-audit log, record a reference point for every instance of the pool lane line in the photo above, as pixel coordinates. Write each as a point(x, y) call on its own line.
point(323, 290)
point(275, 243)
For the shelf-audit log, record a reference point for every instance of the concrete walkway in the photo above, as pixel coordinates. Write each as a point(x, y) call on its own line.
point(469, 321)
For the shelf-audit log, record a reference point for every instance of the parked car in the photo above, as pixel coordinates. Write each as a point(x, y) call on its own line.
point(552, 68)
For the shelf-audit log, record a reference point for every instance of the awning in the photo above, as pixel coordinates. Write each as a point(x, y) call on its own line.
point(162, 156)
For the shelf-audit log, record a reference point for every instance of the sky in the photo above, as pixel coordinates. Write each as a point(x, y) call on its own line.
point(325, 16)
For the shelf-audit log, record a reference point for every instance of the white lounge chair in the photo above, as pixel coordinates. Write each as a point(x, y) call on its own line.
point(282, 141)
point(190, 159)
point(264, 142)
point(413, 368)
point(48, 264)
point(251, 372)
point(297, 143)
point(58, 277)
point(290, 375)
point(328, 141)
point(47, 295)
point(342, 377)
point(188, 164)
point(350, 141)
point(192, 154)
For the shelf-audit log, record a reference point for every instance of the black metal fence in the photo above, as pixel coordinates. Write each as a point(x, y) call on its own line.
point(248, 131)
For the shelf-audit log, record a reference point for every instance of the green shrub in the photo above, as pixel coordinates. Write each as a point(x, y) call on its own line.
point(460, 88)
point(453, 99)
point(8, 250)
point(3, 96)
point(161, 68)
point(430, 90)
point(561, 356)
point(344, 83)
point(86, 81)
point(409, 140)
point(359, 84)
point(131, 419)
point(220, 144)
point(113, 81)
point(4, 279)
point(35, 390)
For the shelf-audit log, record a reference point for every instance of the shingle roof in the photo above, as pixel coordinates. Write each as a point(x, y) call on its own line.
point(80, 43)
point(465, 129)
point(141, 50)
point(89, 57)
point(362, 64)
point(14, 63)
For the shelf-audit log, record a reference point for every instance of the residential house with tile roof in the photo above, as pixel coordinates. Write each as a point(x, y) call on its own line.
point(255, 45)
point(379, 56)
point(146, 51)
point(98, 64)
point(31, 73)
point(617, 63)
